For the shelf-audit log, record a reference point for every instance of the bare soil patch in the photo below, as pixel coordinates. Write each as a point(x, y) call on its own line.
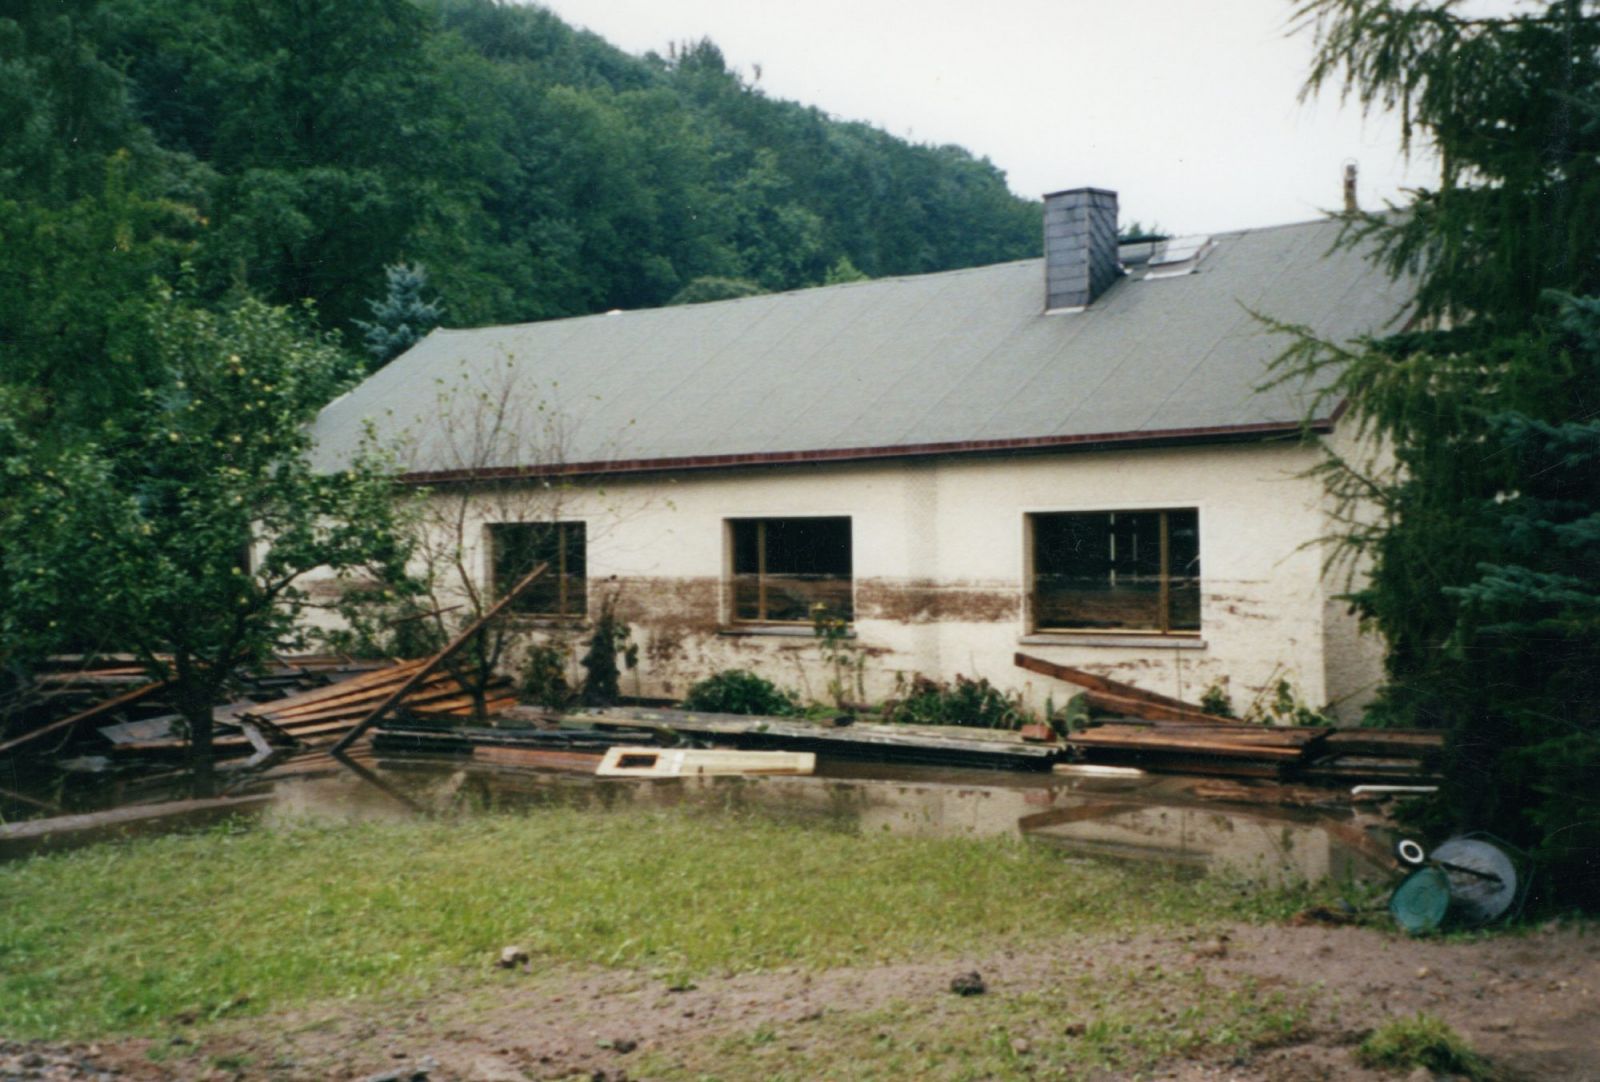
point(1530, 1003)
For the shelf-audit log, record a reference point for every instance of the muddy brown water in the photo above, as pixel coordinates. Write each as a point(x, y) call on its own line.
point(1144, 817)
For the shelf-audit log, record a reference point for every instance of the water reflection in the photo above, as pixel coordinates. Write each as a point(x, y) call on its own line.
point(1143, 817)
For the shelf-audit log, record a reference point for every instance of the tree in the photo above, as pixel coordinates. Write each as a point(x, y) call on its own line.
point(841, 272)
point(183, 531)
point(73, 278)
point(1483, 567)
point(402, 318)
point(702, 290)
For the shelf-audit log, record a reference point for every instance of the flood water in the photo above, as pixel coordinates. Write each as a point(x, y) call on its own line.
point(1138, 817)
point(1135, 816)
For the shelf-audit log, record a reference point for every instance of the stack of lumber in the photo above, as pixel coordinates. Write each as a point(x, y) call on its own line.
point(1260, 751)
point(323, 715)
point(1378, 755)
point(1158, 732)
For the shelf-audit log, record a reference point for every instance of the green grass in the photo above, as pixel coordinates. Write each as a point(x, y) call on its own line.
point(125, 938)
point(1422, 1041)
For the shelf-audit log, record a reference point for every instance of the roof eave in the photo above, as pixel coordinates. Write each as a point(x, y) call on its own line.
point(1239, 433)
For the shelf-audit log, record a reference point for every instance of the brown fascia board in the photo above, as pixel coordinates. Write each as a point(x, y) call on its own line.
point(1267, 430)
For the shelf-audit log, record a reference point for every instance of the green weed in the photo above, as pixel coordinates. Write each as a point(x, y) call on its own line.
point(1422, 1041)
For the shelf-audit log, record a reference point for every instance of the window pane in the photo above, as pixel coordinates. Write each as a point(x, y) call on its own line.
point(1103, 570)
point(517, 547)
point(807, 563)
point(575, 576)
point(746, 565)
point(1183, 562)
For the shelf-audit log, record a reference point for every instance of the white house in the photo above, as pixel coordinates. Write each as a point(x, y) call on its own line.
point(1072, 457)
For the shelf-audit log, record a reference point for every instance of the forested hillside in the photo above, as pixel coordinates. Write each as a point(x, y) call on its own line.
point(293, 149)
point(215, 215)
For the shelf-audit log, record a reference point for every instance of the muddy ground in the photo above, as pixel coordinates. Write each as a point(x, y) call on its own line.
point(1529, 1002)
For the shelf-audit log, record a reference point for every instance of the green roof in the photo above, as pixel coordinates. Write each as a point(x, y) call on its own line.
point(963, 361)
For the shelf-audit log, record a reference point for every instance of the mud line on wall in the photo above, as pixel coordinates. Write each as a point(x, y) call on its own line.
point(923, 601)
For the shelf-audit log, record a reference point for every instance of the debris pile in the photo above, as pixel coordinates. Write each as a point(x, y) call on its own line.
point(297, 702)
point(1159, 733)
point(127, 707)
point(323, 715)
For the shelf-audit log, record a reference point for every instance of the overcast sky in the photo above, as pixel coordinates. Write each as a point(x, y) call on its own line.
point(1187, 108)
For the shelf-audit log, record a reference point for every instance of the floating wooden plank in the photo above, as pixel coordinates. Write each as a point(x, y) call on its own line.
point(67, 831)
point(641, 762)
point(1116, 697)
point(579, 762)
point(1395, 743)
point(944, 745)
point(1359, 768)
point(1204, 765)
point(1290, 796)
point(1288, 745)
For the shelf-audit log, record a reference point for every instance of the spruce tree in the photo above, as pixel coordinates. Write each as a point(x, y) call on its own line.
point(402, 317)
point(1484, 557)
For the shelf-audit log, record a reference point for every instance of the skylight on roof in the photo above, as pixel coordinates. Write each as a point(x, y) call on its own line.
point(1179, 255)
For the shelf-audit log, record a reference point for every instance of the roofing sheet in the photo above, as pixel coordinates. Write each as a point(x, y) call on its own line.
point(926, 362)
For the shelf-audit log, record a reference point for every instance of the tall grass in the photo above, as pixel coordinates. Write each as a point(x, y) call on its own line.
point(125, 937)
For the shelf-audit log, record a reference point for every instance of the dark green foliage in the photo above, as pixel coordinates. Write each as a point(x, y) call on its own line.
point(1217, 701)
point(1508, 104)
point(738, 691)
point(611, 639)
point(250, 155)
point(544, 676)
point(968, 702)
point(402, 317)
point(1485, 564)
point(385, 620)
point(142, 539)
point(536, 170)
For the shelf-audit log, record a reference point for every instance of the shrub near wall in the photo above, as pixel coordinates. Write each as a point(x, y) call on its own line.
point(739, 691)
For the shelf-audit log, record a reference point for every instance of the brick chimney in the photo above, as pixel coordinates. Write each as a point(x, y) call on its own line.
point(1080, 247)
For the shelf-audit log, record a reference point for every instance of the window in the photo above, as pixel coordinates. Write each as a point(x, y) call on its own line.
point(515, 548)
point(1117, 571)
point(784, 567)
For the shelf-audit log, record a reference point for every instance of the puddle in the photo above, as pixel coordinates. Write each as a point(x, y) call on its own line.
point(1138, 817)
point(1147, 817)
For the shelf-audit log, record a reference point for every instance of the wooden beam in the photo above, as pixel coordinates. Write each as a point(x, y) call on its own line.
point(128, 697)
point(1111, 694)
point(1144, 710)
point(439, 659)
point(38, 835)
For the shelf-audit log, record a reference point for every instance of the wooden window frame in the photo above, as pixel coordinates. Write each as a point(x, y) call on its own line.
point(566, 589)
point(1164, 589)
point(730, 576)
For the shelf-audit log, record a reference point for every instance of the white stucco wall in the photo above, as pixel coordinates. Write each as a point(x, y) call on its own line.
point(940, 564)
